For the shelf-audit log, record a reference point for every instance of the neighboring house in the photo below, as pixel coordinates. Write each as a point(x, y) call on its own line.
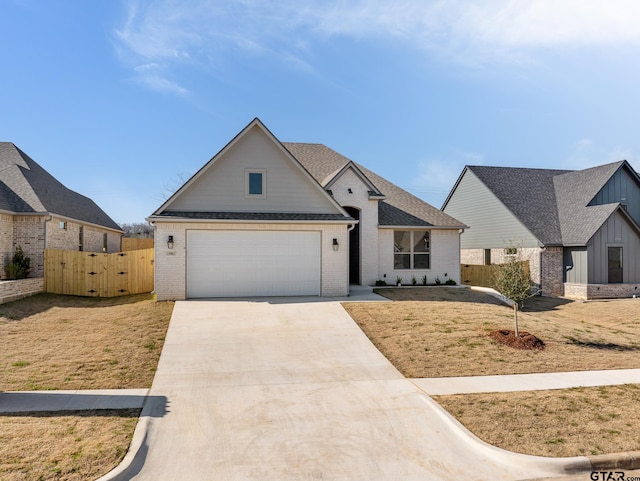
point(266, 218)
point(578, 229)
point(38, 212)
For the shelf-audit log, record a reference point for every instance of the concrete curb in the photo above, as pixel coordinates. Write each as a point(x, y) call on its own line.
point(134, 460)
point(605, 462)
point(553, 466)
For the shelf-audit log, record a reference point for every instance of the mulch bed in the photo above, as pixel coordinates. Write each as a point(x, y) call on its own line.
point(524, 340)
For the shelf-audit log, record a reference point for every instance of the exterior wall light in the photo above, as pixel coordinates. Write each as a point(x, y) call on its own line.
point(336, 246)
point(170, 242)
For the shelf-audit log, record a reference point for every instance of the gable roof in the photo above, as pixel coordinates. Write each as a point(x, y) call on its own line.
point(165, 210)
point(398, 208)
point(25, 188)
point(553, 204)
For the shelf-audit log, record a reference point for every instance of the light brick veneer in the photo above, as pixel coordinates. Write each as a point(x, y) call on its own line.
point(19, 289)
point(170, 264)
point(600, 291)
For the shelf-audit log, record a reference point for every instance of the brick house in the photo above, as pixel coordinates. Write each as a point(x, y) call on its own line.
point(38, 212)
point(579, 230)
point(266, 218)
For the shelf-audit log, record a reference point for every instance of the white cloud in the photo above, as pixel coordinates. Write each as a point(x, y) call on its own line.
point(175, 33)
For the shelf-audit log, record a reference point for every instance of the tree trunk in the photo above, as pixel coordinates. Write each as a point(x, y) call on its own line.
point(515, 316)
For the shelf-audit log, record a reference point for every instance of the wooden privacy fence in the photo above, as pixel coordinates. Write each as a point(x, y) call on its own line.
point(96, 274)
point(136, 243)
point(480, 275)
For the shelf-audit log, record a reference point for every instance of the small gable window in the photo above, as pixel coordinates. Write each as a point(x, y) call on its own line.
point(255, 183)
point(411, 249)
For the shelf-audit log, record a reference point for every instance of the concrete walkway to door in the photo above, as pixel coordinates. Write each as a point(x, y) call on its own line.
point(276, 390)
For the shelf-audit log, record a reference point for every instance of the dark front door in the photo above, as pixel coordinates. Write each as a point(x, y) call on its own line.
point(615, 265)
point(354, 248)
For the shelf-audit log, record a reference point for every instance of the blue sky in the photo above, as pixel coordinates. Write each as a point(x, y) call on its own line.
point(121, 99)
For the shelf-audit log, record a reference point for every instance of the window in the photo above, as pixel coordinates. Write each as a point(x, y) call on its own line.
point(411, 249)
point(487, 257)
point(80, 238)
point(615, 265)
point(105, 242)
point(63, 225)
point(255, 183)
point(511, 251)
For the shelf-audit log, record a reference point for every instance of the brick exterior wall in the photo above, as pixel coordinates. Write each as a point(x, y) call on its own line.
point(472, 256)
point(444, 262)
point(68, 238)
point(19, 289)
point(600, 291)
point(551, 271)
point(359, 198)
point(29, 232)
point(170, 264)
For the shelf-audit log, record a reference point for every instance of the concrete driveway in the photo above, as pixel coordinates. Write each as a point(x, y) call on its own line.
point(278, 390)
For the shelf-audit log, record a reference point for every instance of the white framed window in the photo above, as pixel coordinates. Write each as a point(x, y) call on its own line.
point(511, 251)
point(255, 183)
point(62, 225)
point(411, 249)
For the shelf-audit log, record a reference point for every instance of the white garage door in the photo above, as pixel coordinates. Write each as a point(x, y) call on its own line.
point(252, 263)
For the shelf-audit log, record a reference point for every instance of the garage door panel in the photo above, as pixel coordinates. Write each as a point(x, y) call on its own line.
point(252, 263)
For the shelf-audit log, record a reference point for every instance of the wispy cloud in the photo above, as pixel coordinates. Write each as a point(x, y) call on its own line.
point(175, 33)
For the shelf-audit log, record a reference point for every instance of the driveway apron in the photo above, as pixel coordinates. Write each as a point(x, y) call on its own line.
point(275, 390)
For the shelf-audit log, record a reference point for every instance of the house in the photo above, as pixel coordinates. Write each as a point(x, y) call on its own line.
point(578, 229)
point(266, 218)
point(38, 212)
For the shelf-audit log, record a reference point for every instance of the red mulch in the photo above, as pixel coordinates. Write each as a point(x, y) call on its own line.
point(523, 341)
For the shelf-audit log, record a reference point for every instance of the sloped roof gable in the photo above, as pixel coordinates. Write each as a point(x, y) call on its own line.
point(399, 208)
point(553, 204)
point(25, 187)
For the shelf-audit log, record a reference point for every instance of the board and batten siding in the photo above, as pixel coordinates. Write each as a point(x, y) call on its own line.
point(576, 265)
point(616, 231)
point(491, 224)
point(621, 187)
point(221, 187)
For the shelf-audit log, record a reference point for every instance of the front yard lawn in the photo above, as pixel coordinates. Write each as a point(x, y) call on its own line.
point(60, 342)
point(442, 332)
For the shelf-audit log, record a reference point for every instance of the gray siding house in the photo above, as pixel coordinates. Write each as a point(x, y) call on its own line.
point(580, 230)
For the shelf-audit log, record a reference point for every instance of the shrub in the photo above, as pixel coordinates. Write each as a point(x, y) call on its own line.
point(450, 282)
point(19, 266)
point(381, 282)
point(424, 280)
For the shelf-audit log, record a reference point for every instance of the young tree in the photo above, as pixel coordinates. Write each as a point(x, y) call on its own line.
point(19, 266)
point(512, 281)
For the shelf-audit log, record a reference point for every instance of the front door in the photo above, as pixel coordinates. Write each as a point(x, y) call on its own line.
point(354, 248)
point(615, 265)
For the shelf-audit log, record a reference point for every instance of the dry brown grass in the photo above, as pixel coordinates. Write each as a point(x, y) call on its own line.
point(71, 446)
point(568, 422)
point(440, 332)
point(60, 342)
point(434, 332)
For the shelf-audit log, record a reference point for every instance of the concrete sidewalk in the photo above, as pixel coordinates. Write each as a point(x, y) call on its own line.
point(526, 382)
point(43, 401)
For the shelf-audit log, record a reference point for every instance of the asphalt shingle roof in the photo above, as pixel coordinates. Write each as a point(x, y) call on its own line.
point(553, 204)
point(399, 208)
point(25, 187)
